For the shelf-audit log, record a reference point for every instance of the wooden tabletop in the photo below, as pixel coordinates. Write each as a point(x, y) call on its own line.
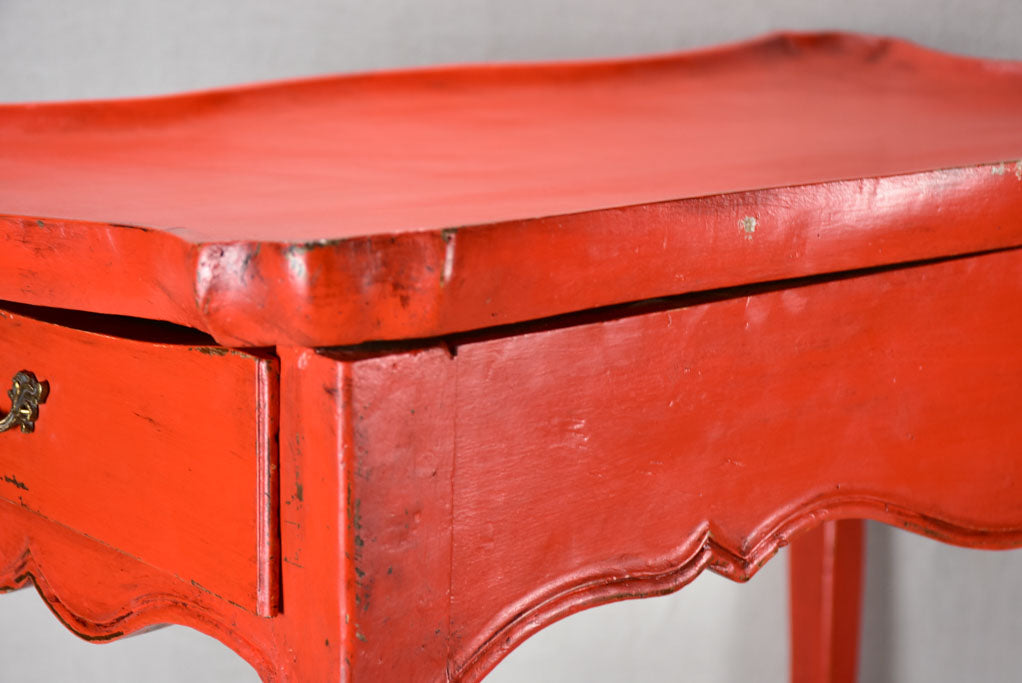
point(419, 203)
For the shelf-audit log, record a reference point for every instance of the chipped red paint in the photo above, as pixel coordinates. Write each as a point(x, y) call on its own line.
point(821, 236)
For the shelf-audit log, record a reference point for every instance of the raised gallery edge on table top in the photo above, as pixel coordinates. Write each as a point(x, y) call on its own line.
point(420, 203)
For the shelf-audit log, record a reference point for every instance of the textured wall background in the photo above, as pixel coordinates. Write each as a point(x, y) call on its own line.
point(933, 613)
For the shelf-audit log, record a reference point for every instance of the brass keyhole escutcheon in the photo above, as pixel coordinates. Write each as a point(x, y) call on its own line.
point(26, 394)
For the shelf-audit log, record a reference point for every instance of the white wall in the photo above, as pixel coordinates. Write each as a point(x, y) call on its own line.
point(933, 613)
point(54, 50)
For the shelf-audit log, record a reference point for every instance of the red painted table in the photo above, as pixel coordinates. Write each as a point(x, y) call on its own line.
point(371, 377)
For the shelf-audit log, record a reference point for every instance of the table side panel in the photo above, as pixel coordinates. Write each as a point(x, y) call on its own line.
point(619, 459)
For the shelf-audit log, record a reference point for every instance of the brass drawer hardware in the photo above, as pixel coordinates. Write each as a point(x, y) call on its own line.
point(26, 394)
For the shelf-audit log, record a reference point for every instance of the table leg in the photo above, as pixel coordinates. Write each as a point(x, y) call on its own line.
point(826, 594)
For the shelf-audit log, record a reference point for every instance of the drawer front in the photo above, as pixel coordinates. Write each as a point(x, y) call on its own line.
point(163, 451)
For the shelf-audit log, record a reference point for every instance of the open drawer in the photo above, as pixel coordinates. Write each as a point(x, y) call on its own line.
point(164, 450)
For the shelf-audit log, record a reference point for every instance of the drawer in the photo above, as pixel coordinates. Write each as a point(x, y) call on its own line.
point(152, 441)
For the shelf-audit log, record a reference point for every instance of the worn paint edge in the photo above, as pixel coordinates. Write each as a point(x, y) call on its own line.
point(347, 528)
point(268, 556)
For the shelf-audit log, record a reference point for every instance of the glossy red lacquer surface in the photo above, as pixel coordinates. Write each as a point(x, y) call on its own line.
point(399, 205)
